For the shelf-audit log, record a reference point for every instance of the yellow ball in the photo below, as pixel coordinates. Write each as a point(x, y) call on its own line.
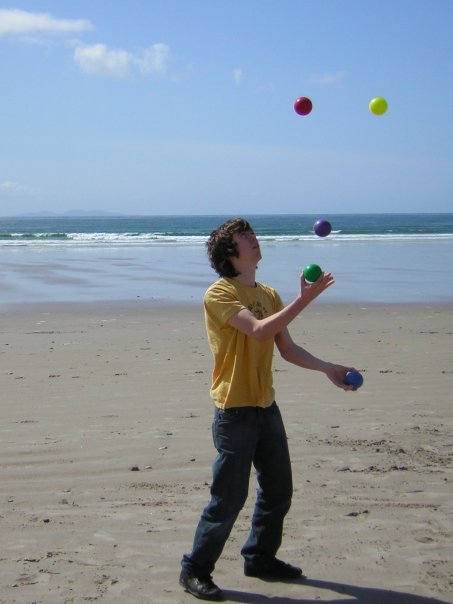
point(378, 105)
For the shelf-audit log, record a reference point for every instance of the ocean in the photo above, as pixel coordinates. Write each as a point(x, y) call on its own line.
point(391, 258)
point(148, 230)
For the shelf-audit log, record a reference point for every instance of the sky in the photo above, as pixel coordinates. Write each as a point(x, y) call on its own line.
point(186, 106)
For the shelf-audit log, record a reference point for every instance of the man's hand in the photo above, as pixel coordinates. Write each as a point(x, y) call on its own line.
point(310, 291)
point(337, 375)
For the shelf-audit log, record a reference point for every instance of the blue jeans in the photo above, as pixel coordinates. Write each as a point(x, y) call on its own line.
point(244, 436)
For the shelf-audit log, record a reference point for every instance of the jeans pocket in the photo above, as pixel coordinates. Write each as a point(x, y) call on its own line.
point(229, 427)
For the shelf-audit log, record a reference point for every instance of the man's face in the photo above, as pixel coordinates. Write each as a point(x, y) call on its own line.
point(247, 246)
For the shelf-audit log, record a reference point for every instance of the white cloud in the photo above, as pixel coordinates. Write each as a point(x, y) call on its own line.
point(99, 60)
point(327, 79)
point(96, 59)
point(238, 76)
point(159, 60)
point(9, 187)
point(20, 22)
point(155, 59)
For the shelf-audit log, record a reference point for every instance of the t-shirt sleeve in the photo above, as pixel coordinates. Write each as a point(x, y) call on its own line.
point(278, 302)
point(221, 304)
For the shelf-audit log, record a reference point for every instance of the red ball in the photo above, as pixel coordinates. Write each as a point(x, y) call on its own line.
point(303, 105)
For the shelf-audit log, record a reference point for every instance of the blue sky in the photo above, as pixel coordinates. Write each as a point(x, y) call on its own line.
point(186, 106)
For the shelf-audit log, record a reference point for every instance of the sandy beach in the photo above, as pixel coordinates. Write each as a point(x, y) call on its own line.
point(105, 448)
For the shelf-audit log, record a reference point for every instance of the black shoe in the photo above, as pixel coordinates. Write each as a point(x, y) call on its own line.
point(200, 587)
point(272, 569)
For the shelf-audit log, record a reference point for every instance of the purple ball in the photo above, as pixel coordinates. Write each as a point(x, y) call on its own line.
point(354, 378)
point(322, 228)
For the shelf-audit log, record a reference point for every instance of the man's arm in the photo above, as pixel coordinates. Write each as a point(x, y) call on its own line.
point(269, 327)
point(295, 354)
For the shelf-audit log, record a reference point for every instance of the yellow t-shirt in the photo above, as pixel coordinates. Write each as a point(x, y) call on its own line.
point(242, 375)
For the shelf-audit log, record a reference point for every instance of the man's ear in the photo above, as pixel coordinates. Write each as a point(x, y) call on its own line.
point(232, 251)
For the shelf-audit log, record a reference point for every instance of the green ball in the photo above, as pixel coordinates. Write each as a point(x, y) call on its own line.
point(378, 105)
point(312, 272)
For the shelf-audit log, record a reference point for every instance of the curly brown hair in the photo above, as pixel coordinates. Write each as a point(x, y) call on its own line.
point(221, 246)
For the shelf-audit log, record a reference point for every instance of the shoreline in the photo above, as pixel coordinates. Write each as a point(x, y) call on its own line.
point(146, 304)
point(106, 454)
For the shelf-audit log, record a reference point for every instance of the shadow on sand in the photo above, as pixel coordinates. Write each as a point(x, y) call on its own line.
point(358, 595)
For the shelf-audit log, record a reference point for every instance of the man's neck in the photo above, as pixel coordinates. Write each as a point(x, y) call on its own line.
point(247, 277)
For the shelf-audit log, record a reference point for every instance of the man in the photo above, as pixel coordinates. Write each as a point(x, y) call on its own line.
point(243, 320)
